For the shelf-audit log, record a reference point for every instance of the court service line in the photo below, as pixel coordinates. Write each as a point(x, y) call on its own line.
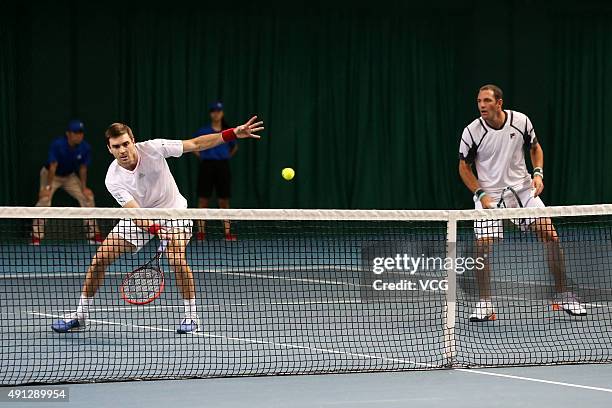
point(538, 380)
point(263, 273)
point(214, 306)
point(260, 273)
point(279, 277)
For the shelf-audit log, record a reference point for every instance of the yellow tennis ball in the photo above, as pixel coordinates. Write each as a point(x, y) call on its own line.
point(288, 173)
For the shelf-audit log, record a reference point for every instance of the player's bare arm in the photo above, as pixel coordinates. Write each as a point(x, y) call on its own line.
point(148, 225)
point(537, 160)
point(471, 182)
point(248, 130)
point(144, 224)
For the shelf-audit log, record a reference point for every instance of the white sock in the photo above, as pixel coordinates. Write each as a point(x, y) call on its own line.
point(486, 301)
point(190, 309)
point(83, 309)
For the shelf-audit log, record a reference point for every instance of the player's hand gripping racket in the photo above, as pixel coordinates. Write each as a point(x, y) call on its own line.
point(146, 283)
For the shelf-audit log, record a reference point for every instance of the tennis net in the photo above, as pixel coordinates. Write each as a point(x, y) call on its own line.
point(306, 291)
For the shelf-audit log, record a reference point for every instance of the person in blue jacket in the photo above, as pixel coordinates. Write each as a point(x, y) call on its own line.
point(66, 167)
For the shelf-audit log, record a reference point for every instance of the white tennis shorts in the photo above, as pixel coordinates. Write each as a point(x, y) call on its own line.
point(495, 228)
point(138, 237)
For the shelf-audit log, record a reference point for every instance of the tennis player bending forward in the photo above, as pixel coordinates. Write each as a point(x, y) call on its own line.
point(494, 143)
point(140, 177)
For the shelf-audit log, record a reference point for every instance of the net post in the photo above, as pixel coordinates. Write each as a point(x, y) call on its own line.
point(451, 292)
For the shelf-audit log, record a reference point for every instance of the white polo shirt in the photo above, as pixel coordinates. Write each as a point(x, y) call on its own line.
point(150, 184)
point(498, 153)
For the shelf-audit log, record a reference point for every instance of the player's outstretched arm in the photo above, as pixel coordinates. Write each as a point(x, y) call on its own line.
point(248, 130)
point(149, 226)
point(143, 224)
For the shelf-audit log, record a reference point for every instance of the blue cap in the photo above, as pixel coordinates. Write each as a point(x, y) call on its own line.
point(75, 126)
point(216, 106)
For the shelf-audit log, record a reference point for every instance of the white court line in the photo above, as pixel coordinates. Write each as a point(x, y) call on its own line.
point(332, 351)
point(517, 377)
point(257, 275)
point(263, 273)
point(542, 303)
point(248, 269)
point(216, 306)
point(254, 341)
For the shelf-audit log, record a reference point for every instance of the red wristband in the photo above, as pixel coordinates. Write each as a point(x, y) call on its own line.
point(228, 135)
point(154, 229)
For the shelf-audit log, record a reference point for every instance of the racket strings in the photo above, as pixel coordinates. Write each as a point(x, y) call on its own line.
point(143, 285)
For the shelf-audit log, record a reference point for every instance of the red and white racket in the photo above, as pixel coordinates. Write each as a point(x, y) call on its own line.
point(146, 283)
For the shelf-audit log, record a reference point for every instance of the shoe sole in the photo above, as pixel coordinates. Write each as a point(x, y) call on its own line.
point(186, 332)
point(179, 331)
point(559, 308)
point(76, 329)
point(488, 318)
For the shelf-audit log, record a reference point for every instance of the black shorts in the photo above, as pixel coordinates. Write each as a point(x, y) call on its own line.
point(214, 175)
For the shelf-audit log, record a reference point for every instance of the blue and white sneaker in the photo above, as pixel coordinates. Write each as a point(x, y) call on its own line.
point(189, 326)
point(69, 323)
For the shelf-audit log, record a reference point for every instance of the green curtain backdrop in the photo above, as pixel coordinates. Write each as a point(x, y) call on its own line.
point(581, 168)
point(8, 109)
point(356, 115)
point(367, 102)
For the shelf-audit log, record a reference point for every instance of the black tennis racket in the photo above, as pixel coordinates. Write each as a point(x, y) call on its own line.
point(509, 199)
point(146, 283)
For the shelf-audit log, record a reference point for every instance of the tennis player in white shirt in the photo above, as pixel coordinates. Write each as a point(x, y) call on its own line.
point(495, 143)
point(140, 177)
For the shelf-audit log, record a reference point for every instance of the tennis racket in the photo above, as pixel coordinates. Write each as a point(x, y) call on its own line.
point(509, 199)
point(146, 283)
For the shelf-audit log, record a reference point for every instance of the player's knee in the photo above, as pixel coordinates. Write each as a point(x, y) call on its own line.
point(484, 243)
point(551, 236)
point(546, 231)
point(98, 265)
point(176, 255)
point(103, 258)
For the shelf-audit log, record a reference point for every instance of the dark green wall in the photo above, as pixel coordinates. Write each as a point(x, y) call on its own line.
point(366, 102)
